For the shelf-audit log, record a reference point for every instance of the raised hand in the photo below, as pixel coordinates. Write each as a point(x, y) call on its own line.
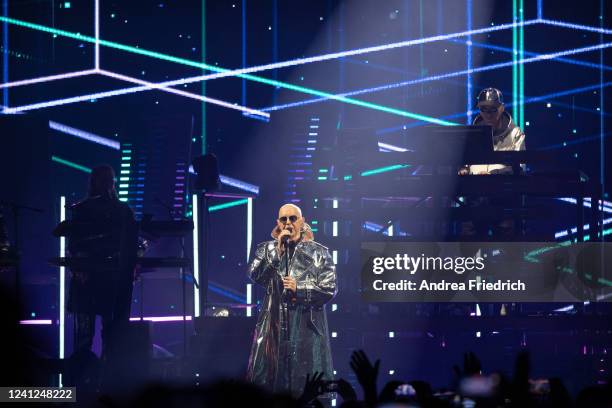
point(367, 374)
point(346, 390)
point(471, 366)
point(312, 387)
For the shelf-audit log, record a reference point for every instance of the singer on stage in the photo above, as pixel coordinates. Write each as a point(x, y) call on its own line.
point(291, 337)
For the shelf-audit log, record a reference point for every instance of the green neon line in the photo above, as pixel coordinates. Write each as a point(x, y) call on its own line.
point(349, 177)
point(227, 205)
point(70, 164)
point(521, 73)
point(604, 281)
point(203, 135)
point(384, 169)
point(201, 65)
point(515, 109)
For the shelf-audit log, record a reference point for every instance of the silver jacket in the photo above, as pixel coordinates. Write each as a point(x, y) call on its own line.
point(291, 337)
point(511, 137)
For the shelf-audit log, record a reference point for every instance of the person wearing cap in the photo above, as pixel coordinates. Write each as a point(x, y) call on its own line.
point(506, 134)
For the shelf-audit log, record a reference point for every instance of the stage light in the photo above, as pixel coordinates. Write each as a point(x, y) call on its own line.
point(531, 54)
point(249, 299)
point(196, 254)
point(227, 205)
point(528, 100)
point(36, 322)
point(536, 58)
point(222, 72)
point(576, 26)
point(49, 78)
point(62, 288)
point(113, 144)
point(161, 319)
point(242, 185)
point(384, 169)
point(70, 164)
point(202, 98)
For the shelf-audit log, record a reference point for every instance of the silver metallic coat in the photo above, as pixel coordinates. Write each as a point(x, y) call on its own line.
point(291, 337)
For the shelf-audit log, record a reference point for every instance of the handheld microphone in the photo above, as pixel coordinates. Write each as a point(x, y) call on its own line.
point(286, 238)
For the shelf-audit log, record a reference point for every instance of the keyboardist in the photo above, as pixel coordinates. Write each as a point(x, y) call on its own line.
point(507, 135)
point(98, 290)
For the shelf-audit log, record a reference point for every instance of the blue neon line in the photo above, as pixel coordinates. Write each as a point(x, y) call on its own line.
point(576, 26)
point(469, 64)
point(533, 54)
point(226, 294)
point(602, 154)
point(528, 100)
point(541, 57)
point(244, 48)
point(540, 9)
point(341, 66)
point(585, 139)
point(274, 45)
point(5, 45)
point(113, 144)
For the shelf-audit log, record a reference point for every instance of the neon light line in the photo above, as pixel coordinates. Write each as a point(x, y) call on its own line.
point(249, 299)
point(537, 58)
point(124, 91)
point(241, 73)
point(391, 147)
point(202, 98)
point(527, 101)
point(576, 26)
point(468, 57)
point(515, 58)
point(602, 150)
point(521, 67)
point(97, 34)
point(196, 255)
point(521, 72)
point(242, 185)
point(230, 181)
point(36, 322)
point(227, 205)
point(5, 60)
point(349, 53)
point(113, 144)
point(249, 243)
point(574, 230)
point(540, 8)
point(48, 78)
point(249, 240)
point(71, 164)
point(605, 206)
point(384, 169)
point(227, 294)
point(530, 53)
point(597, 136)
point(62, 283)
point(158, 319)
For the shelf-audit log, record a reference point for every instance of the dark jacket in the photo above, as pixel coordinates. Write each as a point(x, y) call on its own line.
point(111, 234)
point(279, 361)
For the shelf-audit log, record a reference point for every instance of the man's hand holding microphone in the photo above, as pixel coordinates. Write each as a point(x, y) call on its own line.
point(283, 239)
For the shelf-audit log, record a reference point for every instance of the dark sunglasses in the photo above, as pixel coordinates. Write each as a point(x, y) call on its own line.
point(488, 110)
point(292, 219)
